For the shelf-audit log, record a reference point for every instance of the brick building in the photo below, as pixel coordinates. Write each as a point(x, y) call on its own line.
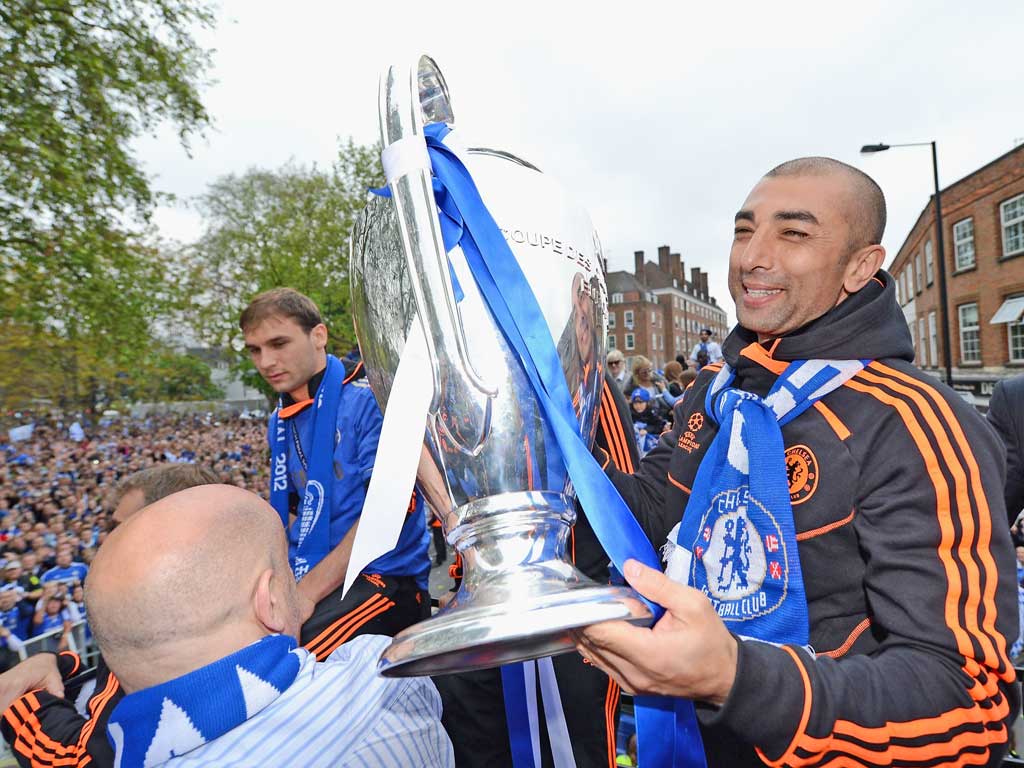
point(655, 312)
point(983, 233)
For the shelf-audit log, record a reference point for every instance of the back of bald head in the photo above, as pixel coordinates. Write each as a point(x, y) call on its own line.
point(182, 569)
point(866, 213)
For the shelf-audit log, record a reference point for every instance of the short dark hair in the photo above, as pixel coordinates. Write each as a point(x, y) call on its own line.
point(283, 302)
point(165, 479)
point(867, 220)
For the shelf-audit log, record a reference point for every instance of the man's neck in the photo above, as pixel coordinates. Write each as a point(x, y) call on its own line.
point(305, 392)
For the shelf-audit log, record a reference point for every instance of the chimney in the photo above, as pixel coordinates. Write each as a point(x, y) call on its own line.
point(663, 264)
point(704, 285)
point(638, 264)
point(695, 280)
point(676, 268)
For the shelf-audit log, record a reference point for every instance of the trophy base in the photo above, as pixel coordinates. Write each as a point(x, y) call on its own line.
point(488, 636)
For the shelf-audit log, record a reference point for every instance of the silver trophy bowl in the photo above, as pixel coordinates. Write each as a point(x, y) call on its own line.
point(491, 468)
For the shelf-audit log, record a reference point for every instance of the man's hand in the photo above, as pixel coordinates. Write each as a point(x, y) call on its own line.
point(687, 654)
point(39, 671)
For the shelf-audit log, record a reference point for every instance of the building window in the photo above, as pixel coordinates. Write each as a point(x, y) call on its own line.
point(611, 341)
point(918, 273)
point(923, 346)
point(963, 244)
point(906, 288)
point(627, 318)
point(654, 317)
point(898, 293)
point(929, 263)
point(629, 341)
point(1015, 338)
point(933, 340)
point(611, 319)
point(970, 343)
point(616, 298)
point(1012, 214)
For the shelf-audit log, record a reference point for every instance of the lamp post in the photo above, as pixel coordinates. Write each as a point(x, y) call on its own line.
point(947, 355)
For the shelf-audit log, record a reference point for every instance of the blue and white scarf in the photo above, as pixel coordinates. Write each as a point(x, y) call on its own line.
point(151, 726)
point(737, 539)
point(312, 542)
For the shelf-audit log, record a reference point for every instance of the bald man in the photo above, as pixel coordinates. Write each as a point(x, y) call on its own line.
point(195, 609)
point(840, 588)
point(36, 696)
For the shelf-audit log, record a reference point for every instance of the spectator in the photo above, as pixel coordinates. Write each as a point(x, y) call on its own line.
point(617, 368)
point(193, 602)
point(66, 570)
point(712, 350)
point(643, 377)
point(647, 425)
point(14, 627)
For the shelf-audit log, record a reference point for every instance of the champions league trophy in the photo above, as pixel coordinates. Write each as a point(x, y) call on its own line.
point(491, 466)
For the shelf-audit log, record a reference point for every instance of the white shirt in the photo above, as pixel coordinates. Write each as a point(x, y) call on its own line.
point(338, 713)
point(714, 351)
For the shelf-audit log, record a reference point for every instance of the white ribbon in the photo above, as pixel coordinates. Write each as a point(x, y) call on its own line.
point(398, 455)
point(405, 156)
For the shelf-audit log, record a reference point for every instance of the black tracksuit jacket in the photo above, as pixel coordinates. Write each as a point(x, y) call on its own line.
point(897, 493)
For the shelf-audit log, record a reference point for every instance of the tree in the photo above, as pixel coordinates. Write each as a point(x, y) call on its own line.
point(80, 80)
point(284, 227)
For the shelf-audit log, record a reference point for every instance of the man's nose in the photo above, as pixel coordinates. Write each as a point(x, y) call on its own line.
point(757, 252)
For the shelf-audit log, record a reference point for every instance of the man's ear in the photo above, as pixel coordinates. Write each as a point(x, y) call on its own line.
point(319, 336)
point(862, 267)
point(266, 605)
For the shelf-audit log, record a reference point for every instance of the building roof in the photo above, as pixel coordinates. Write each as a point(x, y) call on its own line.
point(623, 282)
point(928, 210)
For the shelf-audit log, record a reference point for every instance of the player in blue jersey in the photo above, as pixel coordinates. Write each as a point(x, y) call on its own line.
point(323, 442)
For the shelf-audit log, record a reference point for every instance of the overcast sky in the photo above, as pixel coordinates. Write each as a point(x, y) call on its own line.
point(659, 116)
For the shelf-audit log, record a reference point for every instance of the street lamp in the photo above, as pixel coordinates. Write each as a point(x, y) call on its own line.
point(946, 353)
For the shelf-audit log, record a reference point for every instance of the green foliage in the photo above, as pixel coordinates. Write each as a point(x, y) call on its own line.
point(285, 227)
point(80, 80)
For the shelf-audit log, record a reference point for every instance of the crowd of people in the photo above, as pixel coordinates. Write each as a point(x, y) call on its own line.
point(57, 495)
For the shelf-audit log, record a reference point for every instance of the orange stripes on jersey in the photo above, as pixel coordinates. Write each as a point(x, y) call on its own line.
point(75, 658)
point(841, 430)
point(848, 642)
point(614, 431)
point(355, 372)
point(825, 528)
point(324, 644)
point(932, 421)
point(611, 705)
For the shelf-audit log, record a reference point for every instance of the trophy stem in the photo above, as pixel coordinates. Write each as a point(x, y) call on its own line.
point(520, 596)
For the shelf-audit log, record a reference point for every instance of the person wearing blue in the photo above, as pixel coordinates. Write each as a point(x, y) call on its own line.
point(705, 351)
point(15, 621)
point(323, 442)
point(66, 571)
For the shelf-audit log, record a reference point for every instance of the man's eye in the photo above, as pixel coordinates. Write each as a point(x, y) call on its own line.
point(795, 233)
point(739, 231)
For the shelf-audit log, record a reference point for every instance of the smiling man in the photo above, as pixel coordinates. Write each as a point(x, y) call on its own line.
point(840, 581)
point(323, 444)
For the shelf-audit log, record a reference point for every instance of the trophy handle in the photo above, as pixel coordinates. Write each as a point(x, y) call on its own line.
point(410, 97)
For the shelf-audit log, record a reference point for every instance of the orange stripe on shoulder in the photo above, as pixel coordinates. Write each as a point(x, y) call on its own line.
point(841, 430)
point(676, 483)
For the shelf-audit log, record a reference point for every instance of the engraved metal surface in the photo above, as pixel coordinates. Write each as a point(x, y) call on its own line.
point(491, 466)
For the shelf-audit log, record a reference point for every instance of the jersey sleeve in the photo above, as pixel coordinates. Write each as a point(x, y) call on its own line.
point(939, 687)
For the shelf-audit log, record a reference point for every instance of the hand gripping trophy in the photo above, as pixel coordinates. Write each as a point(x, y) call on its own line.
point(492, 467)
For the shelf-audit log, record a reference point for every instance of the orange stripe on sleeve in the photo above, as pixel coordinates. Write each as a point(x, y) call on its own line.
point(805, 715)
point(342, 621)
point(611, 703)
point(331, 648)
point(977, 492)
point(825, 528)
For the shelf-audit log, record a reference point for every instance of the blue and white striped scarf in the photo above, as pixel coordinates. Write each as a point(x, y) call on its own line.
point(151, 726)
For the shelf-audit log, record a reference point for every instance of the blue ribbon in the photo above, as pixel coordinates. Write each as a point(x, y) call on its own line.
point(465, 221)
